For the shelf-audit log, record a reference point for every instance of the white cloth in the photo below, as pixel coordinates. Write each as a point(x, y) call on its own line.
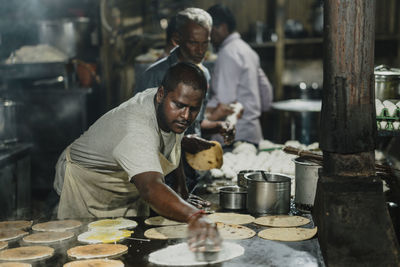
point(238, 77)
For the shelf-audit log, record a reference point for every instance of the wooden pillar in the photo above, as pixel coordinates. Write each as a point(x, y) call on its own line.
point(349, 208)
point(280, 48)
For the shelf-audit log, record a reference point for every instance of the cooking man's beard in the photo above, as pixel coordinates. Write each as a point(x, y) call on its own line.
point(161, 117)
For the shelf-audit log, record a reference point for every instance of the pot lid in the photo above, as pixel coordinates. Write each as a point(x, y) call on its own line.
point(383, 70)
point(298, 105)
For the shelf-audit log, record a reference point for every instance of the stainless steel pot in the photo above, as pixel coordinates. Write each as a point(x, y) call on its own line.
point(387, 83)
point(232, 198)
point(306, 177)
point(241, 180)
point(8, 122)
point(269, 194)
point(68, 35)
point(296, 119)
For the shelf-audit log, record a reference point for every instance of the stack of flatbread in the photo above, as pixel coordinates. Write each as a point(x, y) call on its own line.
point(95, 262)
point(285, 228)
point(15, 264)
point(12, 235)
point(227, 231)
point(160, 221)
point(48, 237)
point(97, 251)
point(29, 253)
point(231, 218)
point(9, 225)
point(57, 226)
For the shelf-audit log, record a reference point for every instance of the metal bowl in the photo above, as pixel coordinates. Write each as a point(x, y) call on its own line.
point(241, 180)
point(232, 197)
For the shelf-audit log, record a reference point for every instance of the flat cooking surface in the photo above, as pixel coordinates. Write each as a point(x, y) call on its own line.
point(258, 252)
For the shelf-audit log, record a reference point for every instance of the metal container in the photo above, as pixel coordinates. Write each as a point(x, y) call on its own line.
point(232, 198)
point(71, 36)
point(296, 119)
point(306, 177)
point(241, 180)
point(8, 122)
point(387, 83)
point(269, 194)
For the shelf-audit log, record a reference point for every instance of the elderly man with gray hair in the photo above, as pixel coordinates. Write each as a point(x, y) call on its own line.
point(192, 35)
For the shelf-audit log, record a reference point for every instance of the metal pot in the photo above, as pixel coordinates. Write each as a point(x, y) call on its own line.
point(232, 198)
point(68, 35)
point(296, 119)
point(8, 122)
point(241, 180)
point(268, 195)
point(387, 83)
point(306, 177)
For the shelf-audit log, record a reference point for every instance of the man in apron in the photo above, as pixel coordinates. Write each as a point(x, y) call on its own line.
point(117, 167)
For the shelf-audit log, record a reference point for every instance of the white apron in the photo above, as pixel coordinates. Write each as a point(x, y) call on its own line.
point(89, 194)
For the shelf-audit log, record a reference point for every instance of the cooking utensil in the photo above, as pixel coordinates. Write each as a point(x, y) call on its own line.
point(387, 82)
point(241, 180)
point(269, 195)
point(306, 175)
point(232, 197)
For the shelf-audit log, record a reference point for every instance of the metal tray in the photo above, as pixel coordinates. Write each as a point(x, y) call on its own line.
point(32, 70)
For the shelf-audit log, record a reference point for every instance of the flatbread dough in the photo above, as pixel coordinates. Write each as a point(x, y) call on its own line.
point(119, 223)
point(104, 236)
point(8, 225)
point(161, 221)
point(57, 226)
point(3, 245)
point(48, 237)
point(97, 251)
point(95, 263)
point(282, 221)
point(234, 231)
point(180, 255)
point(167, 232)
point(231, 218)
point(11, 235)
point(207, 159)
point(15, 264)
point(288, 234)
point(29, 253)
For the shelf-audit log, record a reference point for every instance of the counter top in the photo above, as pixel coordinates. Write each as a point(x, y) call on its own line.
point(258, 252)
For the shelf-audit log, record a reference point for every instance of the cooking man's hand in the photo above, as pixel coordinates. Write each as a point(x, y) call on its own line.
point(192, 144)
point(228, 132)
point(203, 234)
point(198, 202)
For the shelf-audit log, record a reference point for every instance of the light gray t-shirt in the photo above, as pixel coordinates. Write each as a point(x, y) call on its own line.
point(127, 138)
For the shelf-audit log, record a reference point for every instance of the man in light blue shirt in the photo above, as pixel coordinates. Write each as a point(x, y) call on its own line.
point(237, 77)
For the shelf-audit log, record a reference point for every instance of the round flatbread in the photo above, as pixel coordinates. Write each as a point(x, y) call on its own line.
point(15, 264)
point(167, 232)
point(119, 223)
point(48, 237)
point(234, 231)
point(104, 236)
point(282, 221)
point(95, 263)
point(97, 251)
point(8, 225)
point(3, 245)
point(288, 234)
point(11, 235)
point(180, 255)
point(231, 218)
point(57, 226)
point(29, 253)
point(206, 159)
point(161, 221)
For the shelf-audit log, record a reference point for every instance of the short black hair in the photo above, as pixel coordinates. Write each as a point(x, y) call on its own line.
point(171, 28)
point(222, 14)
point(187, 73)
